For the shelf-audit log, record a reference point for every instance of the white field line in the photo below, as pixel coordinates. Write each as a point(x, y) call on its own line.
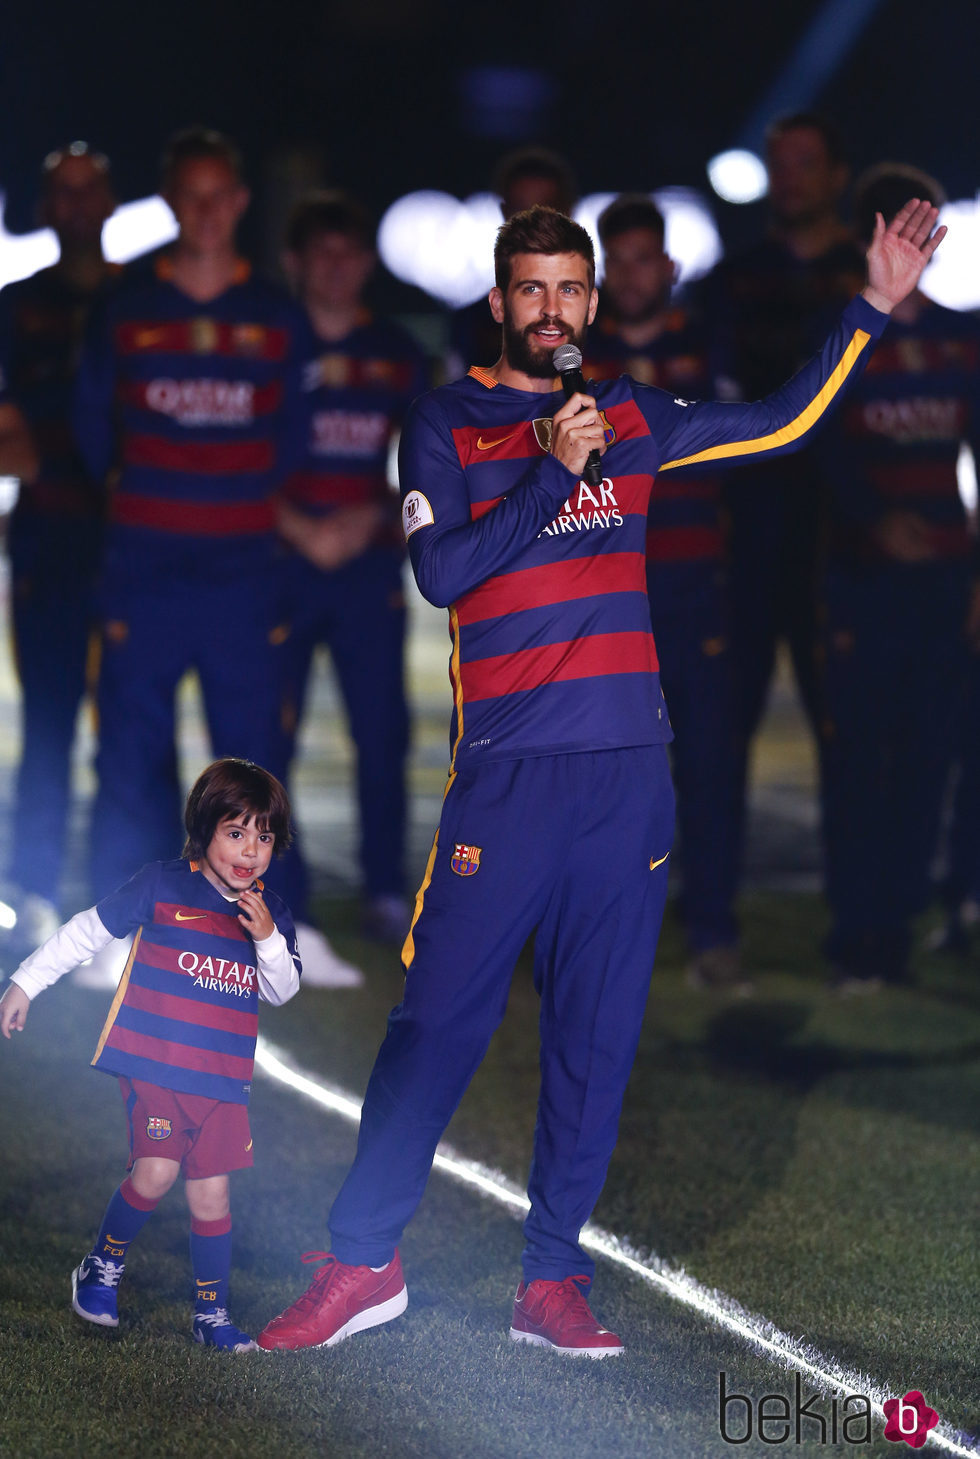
point(829, 1375)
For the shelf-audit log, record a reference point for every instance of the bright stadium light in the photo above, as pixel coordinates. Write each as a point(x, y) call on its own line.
point(692, 239)
point(23, 254)
point(966, 478)
point(134, 229)
point(738, 176)
point(445, 246)
point(440, 244)
point(953, 278)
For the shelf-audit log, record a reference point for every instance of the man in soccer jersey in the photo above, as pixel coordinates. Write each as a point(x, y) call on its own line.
point(54, 537)
point(341, 517)
point(186, 395)
point(558, 814)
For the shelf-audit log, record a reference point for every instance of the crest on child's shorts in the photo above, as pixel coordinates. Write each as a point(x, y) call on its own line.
point(466, 859)
point(158, 1128)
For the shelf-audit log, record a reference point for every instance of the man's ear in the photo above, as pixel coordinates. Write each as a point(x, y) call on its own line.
point(496, 301)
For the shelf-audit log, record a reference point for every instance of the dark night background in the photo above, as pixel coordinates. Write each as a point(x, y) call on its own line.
point(381, 96)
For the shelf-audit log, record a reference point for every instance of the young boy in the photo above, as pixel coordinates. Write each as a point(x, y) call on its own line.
point(181, 1031)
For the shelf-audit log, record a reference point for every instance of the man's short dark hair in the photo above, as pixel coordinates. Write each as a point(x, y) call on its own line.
point(811, 121)
point(887, 187)
point(628, 211)
point(194, 144)
point(539, 230)
point(328, 211)
point(536, 162)
point(230, 788)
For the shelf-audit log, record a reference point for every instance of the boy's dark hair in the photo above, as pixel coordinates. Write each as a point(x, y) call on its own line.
point(811, 121)
point(231, 788)
point(887, 187)
point(535, 162)
point(194, 143)
point(630, 210)
point(539, 230)
point(328, 211)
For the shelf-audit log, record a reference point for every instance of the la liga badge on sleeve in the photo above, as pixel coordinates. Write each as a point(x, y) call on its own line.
point(466, 859)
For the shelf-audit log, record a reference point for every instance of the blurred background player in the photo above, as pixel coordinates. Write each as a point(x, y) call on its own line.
point(185, 392)
point(900, 595)
point(641, 333)
point(344, 521)
point(766, 307)
point(522, 179)
point(54, 535)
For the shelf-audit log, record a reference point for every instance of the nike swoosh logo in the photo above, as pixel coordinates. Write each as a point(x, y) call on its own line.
point(194, 917)
point(248, 1147)
point(482, 445)
point(655, 864)
point(117, 1240)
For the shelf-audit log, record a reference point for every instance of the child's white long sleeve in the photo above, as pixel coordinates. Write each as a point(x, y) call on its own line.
point(73, 943)
point(86, 934)
point(277, 972)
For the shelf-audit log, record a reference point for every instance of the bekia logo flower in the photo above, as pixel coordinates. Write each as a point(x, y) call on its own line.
point(909, 1419)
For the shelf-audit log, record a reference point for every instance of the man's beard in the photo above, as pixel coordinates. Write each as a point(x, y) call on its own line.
point(536, 360)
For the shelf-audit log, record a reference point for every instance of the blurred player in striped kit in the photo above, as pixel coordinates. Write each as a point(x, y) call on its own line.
point(766, 308)
point(901, 601)
point(187, 388)
point(342, 518)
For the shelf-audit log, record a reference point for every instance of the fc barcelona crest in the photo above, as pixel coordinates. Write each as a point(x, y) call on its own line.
point(466, 859)
point(204, 335)
point(158, 1128)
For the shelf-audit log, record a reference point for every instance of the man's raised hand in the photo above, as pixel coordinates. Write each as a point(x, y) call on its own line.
point(899, 253)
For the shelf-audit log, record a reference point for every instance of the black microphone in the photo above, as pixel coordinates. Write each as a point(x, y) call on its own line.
point(567, 360)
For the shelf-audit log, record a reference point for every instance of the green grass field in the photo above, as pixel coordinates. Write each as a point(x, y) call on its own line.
point(817, 1161)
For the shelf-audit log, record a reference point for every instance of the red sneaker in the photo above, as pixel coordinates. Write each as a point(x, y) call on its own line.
point(556, 1315)
point(339, 1301)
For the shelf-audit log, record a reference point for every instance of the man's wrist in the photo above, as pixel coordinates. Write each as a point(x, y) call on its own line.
point(877, 299)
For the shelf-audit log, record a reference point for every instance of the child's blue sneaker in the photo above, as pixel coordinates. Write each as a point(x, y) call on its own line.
point(93, 1290)
point(214, 1329)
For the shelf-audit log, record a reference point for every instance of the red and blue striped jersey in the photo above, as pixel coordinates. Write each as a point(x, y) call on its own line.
point(895, 444)
point(544, 576)
point(684, 522)
point(190, 407)
point(185, 1015)
point(354, 395)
